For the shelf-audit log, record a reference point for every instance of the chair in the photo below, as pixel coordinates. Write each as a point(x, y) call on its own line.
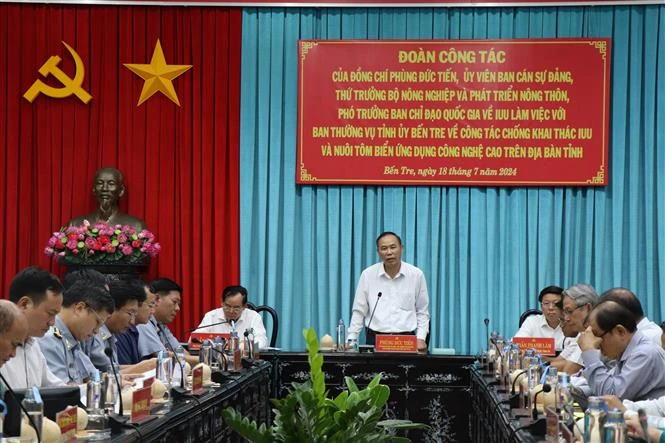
point(275, 320)
point(528, 313)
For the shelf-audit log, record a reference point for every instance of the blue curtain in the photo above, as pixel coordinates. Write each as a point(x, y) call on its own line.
point(486, 252)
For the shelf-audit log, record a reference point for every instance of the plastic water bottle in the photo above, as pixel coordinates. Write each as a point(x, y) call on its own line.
point(164, 370)
point(594, 420)
point(615, 427)
point(32, 402)
point(234, 350)
point(341, 335)
point(94, 393)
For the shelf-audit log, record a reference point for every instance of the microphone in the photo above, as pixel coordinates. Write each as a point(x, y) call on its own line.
point(30, 420)
point(207, 326)
point(546, 388)
point(178, 391)
point(378, 297)
point(109, 353)
point(512, 391)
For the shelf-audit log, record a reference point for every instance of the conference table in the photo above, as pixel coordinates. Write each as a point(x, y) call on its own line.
point(454, 395)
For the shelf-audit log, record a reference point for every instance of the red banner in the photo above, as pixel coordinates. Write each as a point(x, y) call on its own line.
point(481, 112)
point(382, 3)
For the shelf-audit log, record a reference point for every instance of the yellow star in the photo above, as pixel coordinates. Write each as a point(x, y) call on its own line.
point(158, 76)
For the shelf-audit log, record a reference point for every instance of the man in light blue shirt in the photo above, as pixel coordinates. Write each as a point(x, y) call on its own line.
point(155, 336)
point(638, 374)
point(85, 308)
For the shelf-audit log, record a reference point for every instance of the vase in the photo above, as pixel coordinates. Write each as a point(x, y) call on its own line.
point(114, 271)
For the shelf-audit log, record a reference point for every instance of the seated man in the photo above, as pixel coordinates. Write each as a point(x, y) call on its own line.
point(546, 324)
point(85, 308)
point(638, 374)
point(404, 306)
point(155, 336)
point(126, 297)
point(626, 298)
point(127, 343)
point(234, 304)
point(37, 293)
point(13, 330)
point(578, 300)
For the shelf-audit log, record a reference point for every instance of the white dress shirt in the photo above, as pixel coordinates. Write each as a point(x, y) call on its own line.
point(28, 368)
point(650, 330)
point(248, 319)
point(537, 326)
point(403, 305)
point(571, 350)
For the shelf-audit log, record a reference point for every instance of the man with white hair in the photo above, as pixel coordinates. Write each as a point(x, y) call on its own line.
point(578, 301)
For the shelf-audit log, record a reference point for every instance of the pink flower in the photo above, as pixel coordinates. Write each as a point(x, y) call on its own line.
point(71, 244)
point(126, 250)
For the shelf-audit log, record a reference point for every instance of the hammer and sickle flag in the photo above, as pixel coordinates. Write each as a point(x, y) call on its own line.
point(69, 85)
point(158, 76)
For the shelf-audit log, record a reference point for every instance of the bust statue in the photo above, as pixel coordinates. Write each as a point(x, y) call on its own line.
point(108, 188)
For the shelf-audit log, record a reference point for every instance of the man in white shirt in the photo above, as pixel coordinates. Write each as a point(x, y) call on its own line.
point(546, 324)
point(234, 312)
point(397, 290)
point(578, 301)
point(37, 293)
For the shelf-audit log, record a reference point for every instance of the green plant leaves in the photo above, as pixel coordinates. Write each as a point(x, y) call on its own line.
point(306, 414)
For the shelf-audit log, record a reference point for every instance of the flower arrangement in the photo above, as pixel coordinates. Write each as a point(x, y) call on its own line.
point(101, 243)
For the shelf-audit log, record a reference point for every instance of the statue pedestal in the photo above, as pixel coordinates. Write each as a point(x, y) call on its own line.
point(114, 271)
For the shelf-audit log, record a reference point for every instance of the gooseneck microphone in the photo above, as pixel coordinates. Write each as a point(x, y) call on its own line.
point(534, 412)
point(109, 354)
point(30, 420)
point(167, 344)
point(207, 326)
point(512, 391)
point(378, 297)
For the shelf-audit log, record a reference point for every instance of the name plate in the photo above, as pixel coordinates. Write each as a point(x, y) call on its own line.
point(542, 345)
point(148, 381)
point(67, 421)
point(396, 343)
point(141, 404)
point(197, 380)
point(197, 337)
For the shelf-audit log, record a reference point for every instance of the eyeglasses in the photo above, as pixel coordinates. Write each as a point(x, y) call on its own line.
point(569, 312)
point(232, 308)
point(549, 304)
point(603, 334)
point(100, 321)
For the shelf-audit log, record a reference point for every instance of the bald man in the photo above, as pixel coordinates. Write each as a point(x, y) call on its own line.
point(13, 330)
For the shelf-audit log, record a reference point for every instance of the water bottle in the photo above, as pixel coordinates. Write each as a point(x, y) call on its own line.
point(164, 370)
point(615, 427)
point(341, 335)
point(594, 420)
point(32, 402)
point(533, 381)
point(110, 389)
point(205, 354)
point(94, 393)
point(564, 401)
point(234, 350)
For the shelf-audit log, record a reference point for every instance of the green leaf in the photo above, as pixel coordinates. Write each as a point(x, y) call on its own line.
point(351, 384)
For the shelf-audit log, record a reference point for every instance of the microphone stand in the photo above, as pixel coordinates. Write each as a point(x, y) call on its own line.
point(30, 420)
point(177, 391)
point(371, 317)
point(208, 326)
point(117, 421)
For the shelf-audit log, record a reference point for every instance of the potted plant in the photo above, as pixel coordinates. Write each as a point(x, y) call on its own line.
point(306, 414)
